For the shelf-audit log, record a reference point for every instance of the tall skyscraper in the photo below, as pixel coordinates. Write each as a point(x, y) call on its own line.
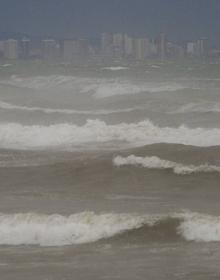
point(107, 45)
point(141, 48)
point(202, 47)
point(1, 49)
point(198, 48)
point(25, 48)
point(191, 49)
point(50, 50)
point(162, 46)
point(118, 45)
point(175, 51)
point(128, 46)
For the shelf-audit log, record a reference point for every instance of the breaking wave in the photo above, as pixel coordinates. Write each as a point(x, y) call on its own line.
point(64, 136)
point(57, 230)
point(99, 88)
point(157, 163)
point(9, 106)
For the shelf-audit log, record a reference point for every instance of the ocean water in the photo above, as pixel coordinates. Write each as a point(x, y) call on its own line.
point(110, 173)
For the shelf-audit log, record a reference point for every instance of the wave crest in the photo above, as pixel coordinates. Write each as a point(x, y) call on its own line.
point(57, 230)
point(65, 136)
point(157, 163)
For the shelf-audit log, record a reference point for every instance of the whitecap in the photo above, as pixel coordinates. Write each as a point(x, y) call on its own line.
point(157, 163)
point(67, 135)
point(87, 227)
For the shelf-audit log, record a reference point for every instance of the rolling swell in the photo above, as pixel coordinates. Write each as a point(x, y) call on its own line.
point(162, 231)
point(66, 135)
point(99, 87)
point(82, 228)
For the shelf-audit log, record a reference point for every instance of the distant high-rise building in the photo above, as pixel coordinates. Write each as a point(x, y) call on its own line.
point(198, 48)
point(148, 47)
point(153, 48)
point(118, 40)
point(83, 45)
point(118, 45)
point(25, 48)
point(76, 51)
point(128, 46)
point(107, 44)
point(50, 50)
point(202, 47)
point(162, 46)
point(191, 49)
point(11, 49)
point(1, 49)
point(175, 51)
point(141, 48)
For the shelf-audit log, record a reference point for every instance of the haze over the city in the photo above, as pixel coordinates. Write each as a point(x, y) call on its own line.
point(180, 20)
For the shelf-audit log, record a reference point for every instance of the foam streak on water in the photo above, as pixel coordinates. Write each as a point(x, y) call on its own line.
point(100, 88)
point(9, 106)
point(200, 107)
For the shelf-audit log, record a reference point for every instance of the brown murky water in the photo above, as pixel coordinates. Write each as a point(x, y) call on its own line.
point(68, 212)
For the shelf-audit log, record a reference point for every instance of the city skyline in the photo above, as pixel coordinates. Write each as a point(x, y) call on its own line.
point(111, 47)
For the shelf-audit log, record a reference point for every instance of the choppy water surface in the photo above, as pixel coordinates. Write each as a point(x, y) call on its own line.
point(111, 173)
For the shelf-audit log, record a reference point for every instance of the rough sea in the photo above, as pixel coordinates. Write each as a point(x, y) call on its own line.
point(110, 173)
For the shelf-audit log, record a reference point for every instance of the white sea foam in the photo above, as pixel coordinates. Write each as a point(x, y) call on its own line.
point(116, 88)
point(6, 65)
point(115, 68)
point(9, 106)
point(200, 228)
point(99, 88)
point(155, 66)
point(200, 107)
point(87, 227)
point(64, 136)
point(157, 163)
point(58, 230)
point(42, 82)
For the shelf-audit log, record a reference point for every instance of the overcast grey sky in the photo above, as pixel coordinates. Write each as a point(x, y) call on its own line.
point(180, 19)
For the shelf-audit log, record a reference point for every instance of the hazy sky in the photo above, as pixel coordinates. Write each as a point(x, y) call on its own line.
point(180, 19)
